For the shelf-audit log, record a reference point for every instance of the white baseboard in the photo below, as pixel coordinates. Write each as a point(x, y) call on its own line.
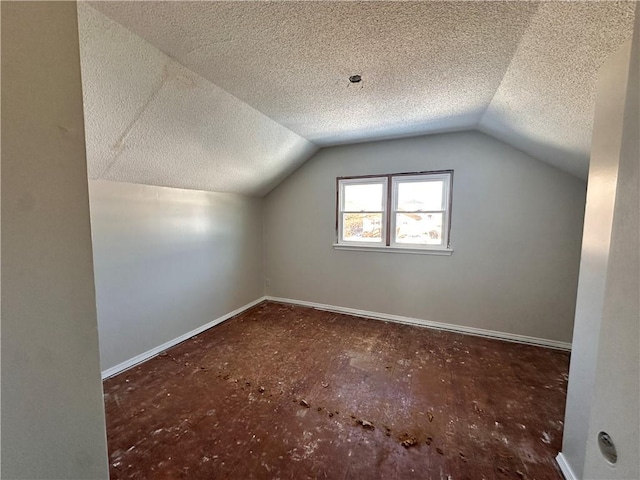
point(478, 332)
point(110, 372)
point(566, 469)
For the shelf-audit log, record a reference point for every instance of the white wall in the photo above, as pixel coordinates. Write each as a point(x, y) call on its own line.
point(52, 410)
point(168, 261)
point(516, 232)
point(604, 380)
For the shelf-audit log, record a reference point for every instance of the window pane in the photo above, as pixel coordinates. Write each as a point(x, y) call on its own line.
point(362, 227)
point(363, 197)
point(423, 196)
point(419, 228)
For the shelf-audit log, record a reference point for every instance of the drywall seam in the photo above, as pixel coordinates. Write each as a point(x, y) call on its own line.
point(565, 467)
point(119, 145)
point(121, 367)
point(476, 332)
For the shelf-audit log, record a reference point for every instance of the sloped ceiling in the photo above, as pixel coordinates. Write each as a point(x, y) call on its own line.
point(232, 96)
point(545, 102)
point(150, 120)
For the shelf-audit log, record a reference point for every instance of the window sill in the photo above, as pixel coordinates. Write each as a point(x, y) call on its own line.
point(385, 249)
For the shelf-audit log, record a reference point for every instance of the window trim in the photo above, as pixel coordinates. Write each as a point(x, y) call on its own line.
point(388, 243)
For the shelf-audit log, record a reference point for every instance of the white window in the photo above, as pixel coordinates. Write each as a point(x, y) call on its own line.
point(395, 212)
point(362, 209)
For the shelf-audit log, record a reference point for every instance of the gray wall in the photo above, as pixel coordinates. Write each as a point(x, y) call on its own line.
point(168, 261)
point(52, 411)
point(604, 380)
point(516, 232)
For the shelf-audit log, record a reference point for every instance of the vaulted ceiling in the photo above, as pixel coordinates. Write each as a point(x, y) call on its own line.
point(233, 96)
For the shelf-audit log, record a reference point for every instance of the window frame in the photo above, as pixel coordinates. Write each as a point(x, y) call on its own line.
point(368, 180)
point(389, 203)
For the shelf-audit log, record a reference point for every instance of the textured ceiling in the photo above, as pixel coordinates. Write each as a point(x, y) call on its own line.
point(150, 120)
point(426, 65)
point(524, 72)
point(545, 103)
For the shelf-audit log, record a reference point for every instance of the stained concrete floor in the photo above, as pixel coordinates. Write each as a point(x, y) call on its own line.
point(286, 392)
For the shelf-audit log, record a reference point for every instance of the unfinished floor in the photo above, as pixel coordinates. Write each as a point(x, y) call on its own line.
point(287, 392)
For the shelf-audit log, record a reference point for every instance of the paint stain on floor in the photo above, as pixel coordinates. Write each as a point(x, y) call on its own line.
point(287, 392)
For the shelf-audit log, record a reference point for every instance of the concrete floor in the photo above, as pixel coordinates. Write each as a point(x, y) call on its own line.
point(285, 392)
